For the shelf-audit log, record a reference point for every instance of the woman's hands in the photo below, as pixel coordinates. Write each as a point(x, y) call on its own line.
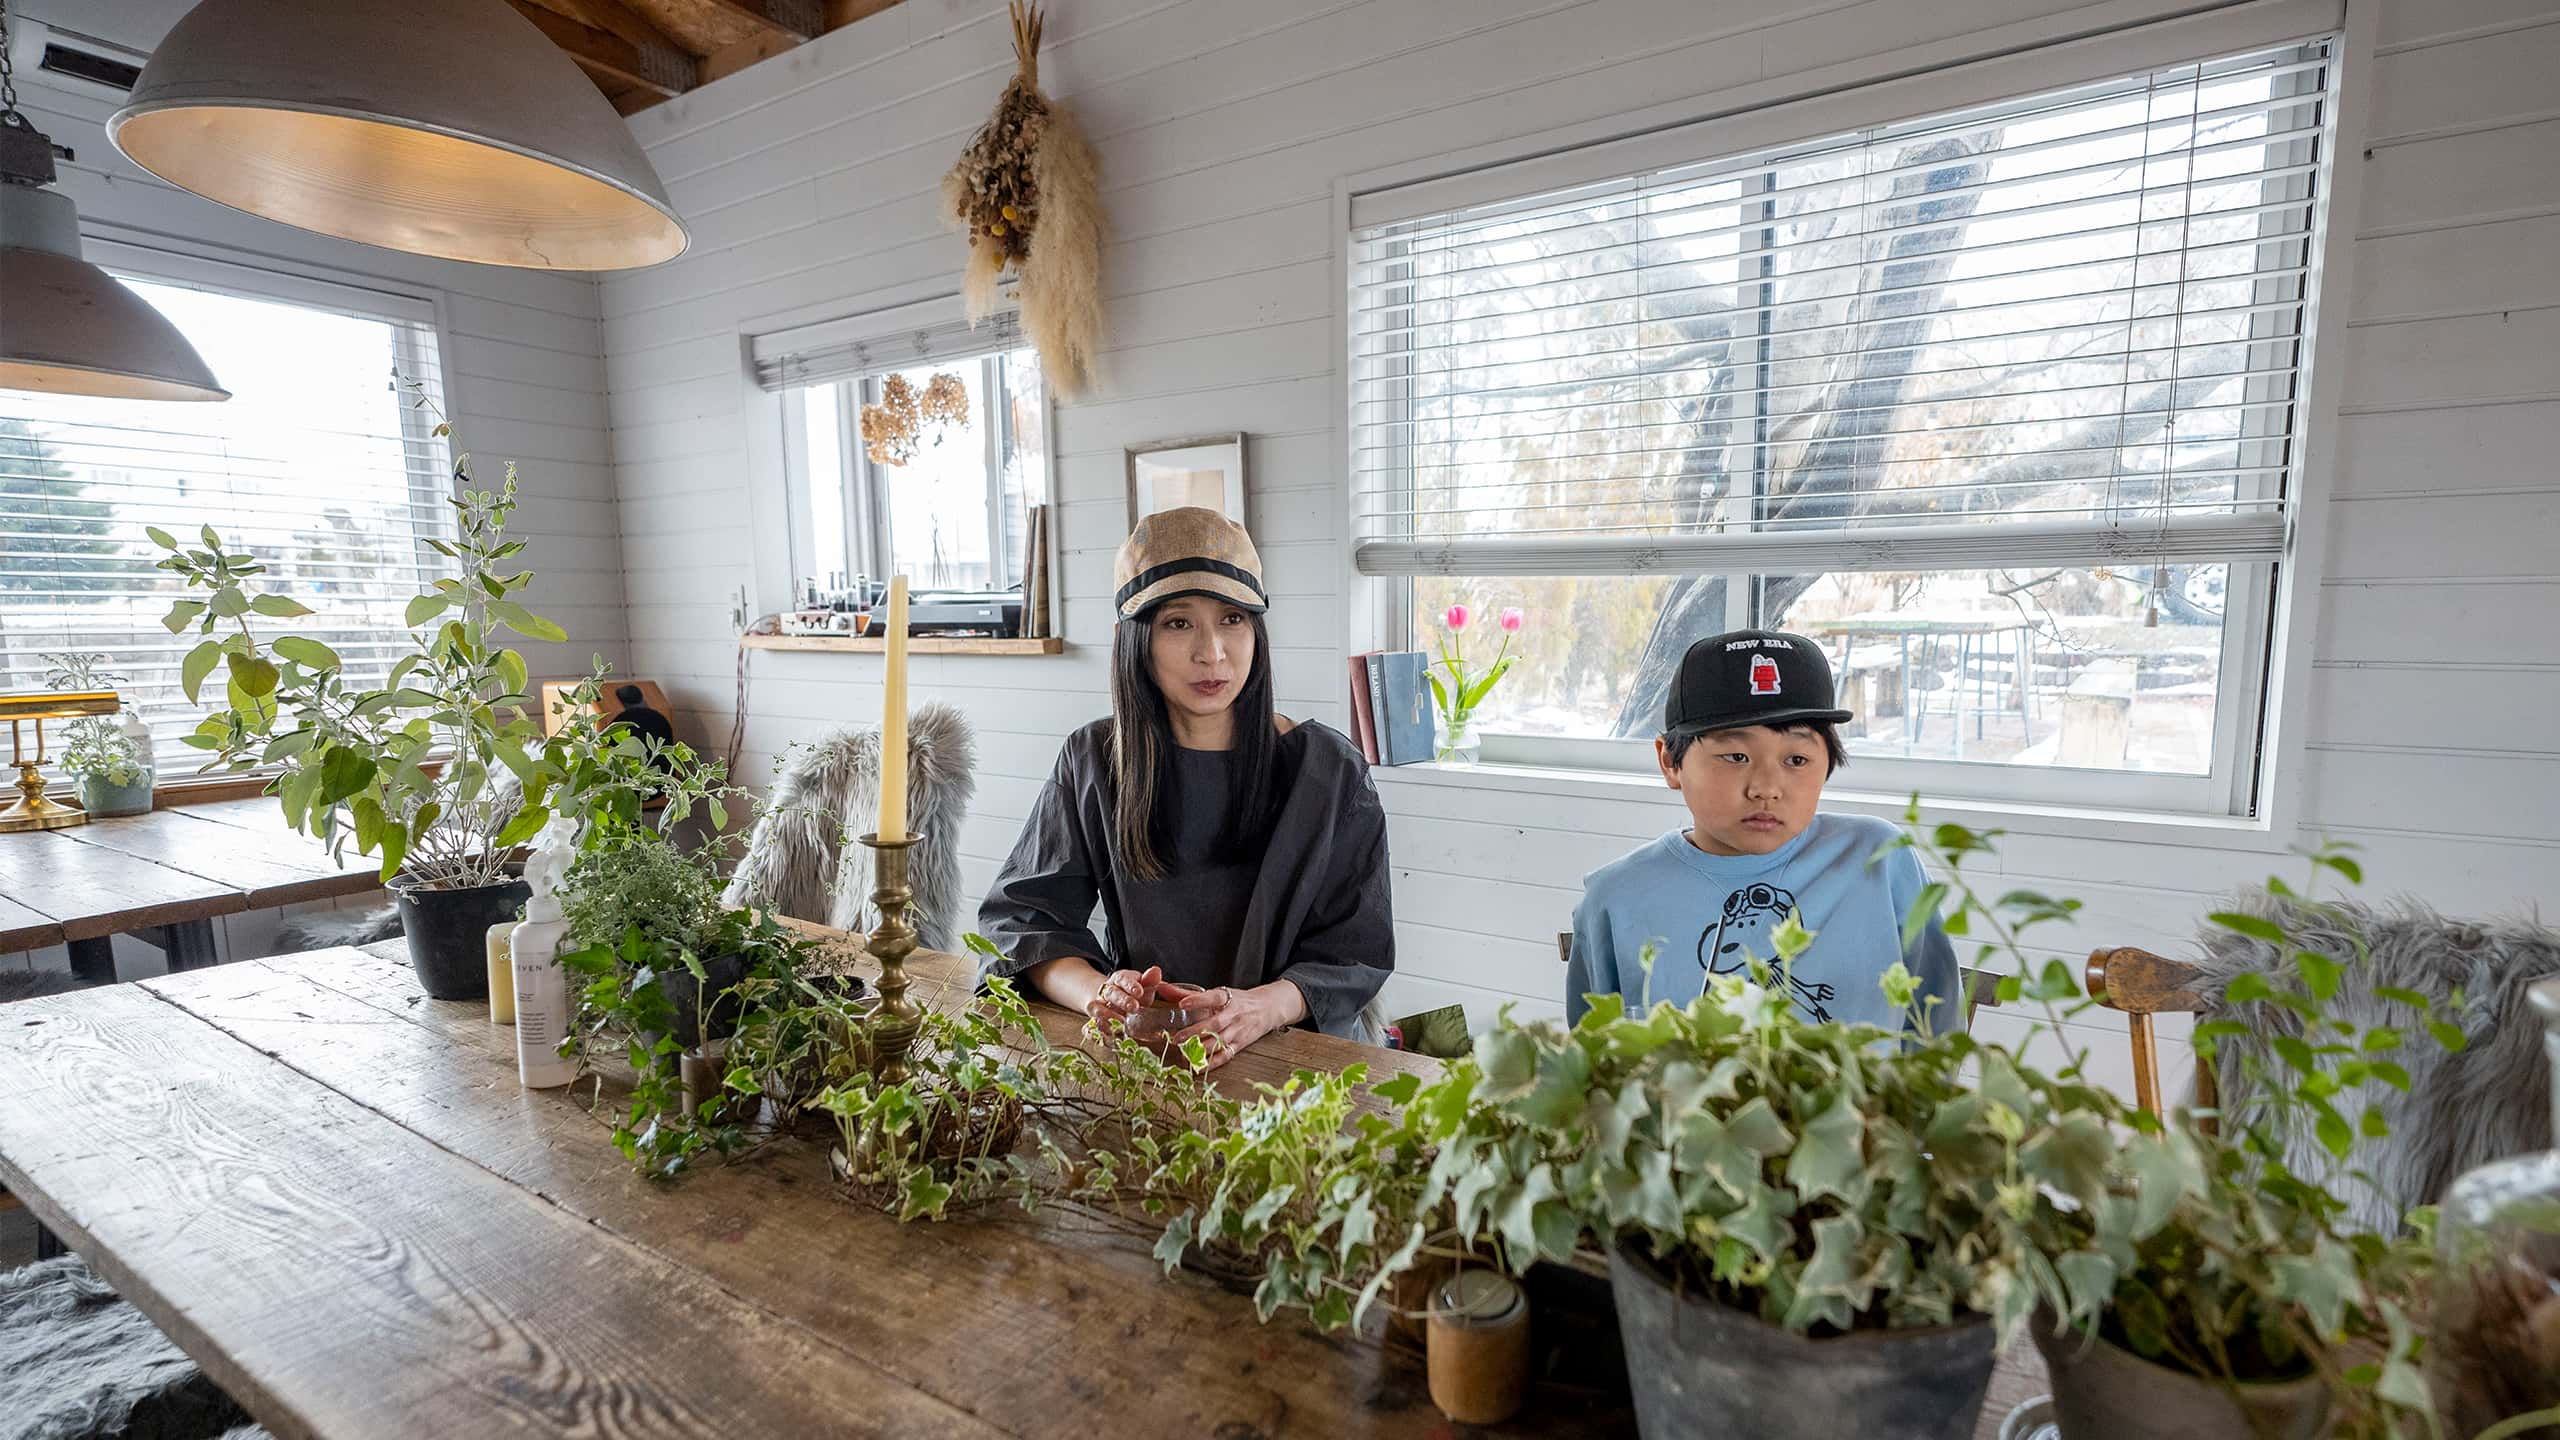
point(1237, 1018)
point(1124, 993)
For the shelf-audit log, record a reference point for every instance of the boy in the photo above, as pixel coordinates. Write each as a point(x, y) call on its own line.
point(1748, 738)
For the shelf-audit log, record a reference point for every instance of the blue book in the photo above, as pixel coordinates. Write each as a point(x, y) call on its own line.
point(1407, 734)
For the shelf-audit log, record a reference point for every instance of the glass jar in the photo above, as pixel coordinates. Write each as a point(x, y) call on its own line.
point(1460, 744)
point(2494, 1340)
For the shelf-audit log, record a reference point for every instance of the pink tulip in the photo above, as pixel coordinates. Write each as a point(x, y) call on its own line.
point(1457, 617)
point(1512, 619)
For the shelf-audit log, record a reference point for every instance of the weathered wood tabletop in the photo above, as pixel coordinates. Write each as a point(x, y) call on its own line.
point(165, 875)
point(332, 1192)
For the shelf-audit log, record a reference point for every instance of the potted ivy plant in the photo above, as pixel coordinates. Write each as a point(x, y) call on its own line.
point(100, 753)
point(1811, 1229)
point(442, 768)
point(2239, 1300)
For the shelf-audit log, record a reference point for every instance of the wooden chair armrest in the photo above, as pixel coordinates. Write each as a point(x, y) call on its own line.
point(2138, 982)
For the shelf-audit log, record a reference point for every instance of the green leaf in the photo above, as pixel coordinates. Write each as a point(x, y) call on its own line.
point(524, 622)
point(2333, 1130)
point(1828, 1158)
point(255, 675)
point(160, 537)
point(198, 664)
point(1508, 1059)
point(2163, 1169)
point(182, 614)
point(528, 823)
point(2256, 927)
point(368, 822)
point(2072, 1156)
point(425, 608)
point(1175, 1240)
point(2448, 1035)
point(511, 671)
point(343, 772)
point(2322, 1283)
point(2246, 986)
point(1729, 1149)
point(2295, 1052)
point(395, 846)
point(1398, 1090)
point(280, 606)
point(2319, 973)
point(230, 601)
point(307, 653)
point(2405, 997)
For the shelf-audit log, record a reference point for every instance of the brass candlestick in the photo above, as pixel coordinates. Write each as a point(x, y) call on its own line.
point(33, 810)
point(890, 943)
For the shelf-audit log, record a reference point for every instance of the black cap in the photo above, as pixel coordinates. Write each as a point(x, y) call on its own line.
point(1750, 677)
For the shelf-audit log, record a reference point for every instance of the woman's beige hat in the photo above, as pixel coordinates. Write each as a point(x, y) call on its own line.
point(1189, 551)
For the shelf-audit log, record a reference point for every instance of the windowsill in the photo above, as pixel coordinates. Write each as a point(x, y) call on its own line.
point(2139, 827)
point(916, 644)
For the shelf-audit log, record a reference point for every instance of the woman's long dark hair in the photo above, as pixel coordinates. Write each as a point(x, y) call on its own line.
point(1142, 754)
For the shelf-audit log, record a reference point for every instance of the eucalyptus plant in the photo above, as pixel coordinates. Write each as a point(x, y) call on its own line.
point(92, 744)
point(443, 767)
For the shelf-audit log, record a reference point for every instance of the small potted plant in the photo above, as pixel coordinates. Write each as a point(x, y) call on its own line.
point(100, 753)
point(1466, 687)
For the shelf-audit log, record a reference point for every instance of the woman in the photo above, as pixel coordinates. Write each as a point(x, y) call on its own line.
point(1241, 859)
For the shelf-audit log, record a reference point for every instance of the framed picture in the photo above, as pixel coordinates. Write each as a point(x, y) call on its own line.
point(1205, 470)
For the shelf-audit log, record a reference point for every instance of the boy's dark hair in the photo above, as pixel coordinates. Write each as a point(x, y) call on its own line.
point(1834, 753)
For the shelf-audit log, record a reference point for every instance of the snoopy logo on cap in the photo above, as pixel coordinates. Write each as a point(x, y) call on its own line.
point(1764, 675)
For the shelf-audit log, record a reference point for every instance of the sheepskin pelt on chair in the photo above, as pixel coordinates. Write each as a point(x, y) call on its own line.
point(2489, 1100)
point(801, 857)
point(77, 1360)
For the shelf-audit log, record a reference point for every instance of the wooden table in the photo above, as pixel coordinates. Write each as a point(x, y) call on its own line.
point(332, 1192)
point(163, 876)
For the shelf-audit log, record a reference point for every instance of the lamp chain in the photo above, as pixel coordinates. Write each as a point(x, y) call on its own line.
point(9, 78)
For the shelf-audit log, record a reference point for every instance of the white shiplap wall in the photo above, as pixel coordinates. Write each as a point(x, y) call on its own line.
point(1223, 127)
point(523, 370)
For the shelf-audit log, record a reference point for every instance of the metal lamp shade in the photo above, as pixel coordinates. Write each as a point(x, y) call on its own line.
point(453, 129)
point(68, 327)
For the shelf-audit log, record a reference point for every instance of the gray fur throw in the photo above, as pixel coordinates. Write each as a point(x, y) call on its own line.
point(2464, 1108)
point(78, 1362)
point(324, 929)
point(802, 859)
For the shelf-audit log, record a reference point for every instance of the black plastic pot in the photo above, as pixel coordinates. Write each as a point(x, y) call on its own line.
point(1703, 1370)
point(2102, 1391)
point(693, 1026)
point(449, 934)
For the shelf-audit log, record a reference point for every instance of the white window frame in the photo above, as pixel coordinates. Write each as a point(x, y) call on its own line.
point(2268, 610)
point(870, 520)
point(430, 463)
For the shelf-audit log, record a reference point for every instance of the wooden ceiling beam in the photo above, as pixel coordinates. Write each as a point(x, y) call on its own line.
point(618, 19)
point(796, 20)
point(660, 69)
point(841, 13)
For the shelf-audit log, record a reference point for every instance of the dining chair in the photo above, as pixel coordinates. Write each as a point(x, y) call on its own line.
point(2130, 979)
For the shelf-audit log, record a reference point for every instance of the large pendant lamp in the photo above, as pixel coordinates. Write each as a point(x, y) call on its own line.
point(451, 128)
point(67, 326)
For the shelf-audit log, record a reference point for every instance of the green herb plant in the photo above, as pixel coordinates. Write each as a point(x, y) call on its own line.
point(93, 745)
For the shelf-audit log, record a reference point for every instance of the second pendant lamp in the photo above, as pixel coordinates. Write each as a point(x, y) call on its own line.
point(452, 128)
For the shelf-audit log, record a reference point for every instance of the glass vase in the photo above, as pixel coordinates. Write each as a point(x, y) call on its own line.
point(2494, 1346)
point(1459, 742)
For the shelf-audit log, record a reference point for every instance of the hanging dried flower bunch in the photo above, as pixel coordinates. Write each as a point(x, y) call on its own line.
point(893, 428)
point(1028, 192)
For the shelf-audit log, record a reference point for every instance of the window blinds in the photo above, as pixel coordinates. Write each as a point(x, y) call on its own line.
point(879, 341)
point(318, 464)
point(2068, 329)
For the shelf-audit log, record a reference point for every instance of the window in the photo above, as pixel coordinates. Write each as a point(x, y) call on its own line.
point(951, 515)
point(2001, 404)
point(317, 463)
point(949, 504)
